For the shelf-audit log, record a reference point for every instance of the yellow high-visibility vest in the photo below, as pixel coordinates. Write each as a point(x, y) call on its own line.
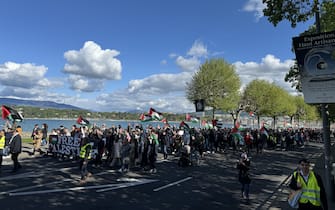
point(310, 190)
point(2, 142)
point(82, 153)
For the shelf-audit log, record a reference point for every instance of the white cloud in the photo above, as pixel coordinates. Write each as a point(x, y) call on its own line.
point(255, 6)
point(160, 83)
point(81, 83)
point(165, 92)
point(24, 75)
point(188, 64)
point(198, 49)
point(93, 62)
point(270, 68)
point(142, 101)
point(191, 62)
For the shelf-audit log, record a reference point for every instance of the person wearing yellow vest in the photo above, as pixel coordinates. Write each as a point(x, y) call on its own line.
point(85, 156)
point(313, 192)
point(2, 145)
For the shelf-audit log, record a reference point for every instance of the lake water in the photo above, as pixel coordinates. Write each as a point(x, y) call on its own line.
point(28, 124)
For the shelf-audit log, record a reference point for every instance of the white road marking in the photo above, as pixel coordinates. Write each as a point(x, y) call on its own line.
point(33, 174)
point(106, 186)
point(35, 186)
point(20, 176)
point(171, 184)
point(62, 190)
point(130, 184)
point(105, 172)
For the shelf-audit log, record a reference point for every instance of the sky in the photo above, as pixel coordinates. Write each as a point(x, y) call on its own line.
point(126, 55)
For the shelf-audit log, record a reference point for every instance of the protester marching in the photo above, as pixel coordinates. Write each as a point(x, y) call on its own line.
point(136, 147)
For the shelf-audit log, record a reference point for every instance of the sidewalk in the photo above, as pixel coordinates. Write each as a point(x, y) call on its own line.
point(279, 198)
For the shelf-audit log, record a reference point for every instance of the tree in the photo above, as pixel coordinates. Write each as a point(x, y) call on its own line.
point(218, 83)
point(265, 99)
point(300, 11)
point(304, 111)
point(294, 11)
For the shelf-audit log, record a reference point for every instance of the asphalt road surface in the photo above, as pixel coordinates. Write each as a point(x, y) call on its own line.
point(50, 183)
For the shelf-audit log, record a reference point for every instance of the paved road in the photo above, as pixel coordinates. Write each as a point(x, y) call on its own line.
point(48, 183)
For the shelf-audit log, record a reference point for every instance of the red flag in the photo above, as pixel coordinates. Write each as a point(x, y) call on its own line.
point(237, 125)
point(145, 117)
point(184, 125)
point(82, 121)
point(5, 112)
point(188, 117)
point(11, 114)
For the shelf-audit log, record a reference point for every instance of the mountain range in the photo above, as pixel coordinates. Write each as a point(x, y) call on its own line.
point(34, 103)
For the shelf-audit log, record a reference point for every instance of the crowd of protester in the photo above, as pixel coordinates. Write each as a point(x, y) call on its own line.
point(137, 146)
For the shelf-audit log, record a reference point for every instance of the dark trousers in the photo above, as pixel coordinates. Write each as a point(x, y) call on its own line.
point(1, 153)
point(308, 206)
point(15, 160)
point(83, 168)
point(245, 189)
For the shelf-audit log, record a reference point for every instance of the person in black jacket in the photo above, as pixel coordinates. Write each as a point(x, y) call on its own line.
point(243, 167)
point(15, 145)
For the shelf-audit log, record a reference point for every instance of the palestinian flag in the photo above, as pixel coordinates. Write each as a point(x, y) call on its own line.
point(206, 125)
point(155, 115)
point(251, 114)
point(264, 131)
point(237, 135)
point(145, 117)
point(184, 125)
point(11, 114)
point(190, 118)
point(82, 121)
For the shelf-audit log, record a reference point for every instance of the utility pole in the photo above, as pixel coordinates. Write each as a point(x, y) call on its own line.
point(326, 128)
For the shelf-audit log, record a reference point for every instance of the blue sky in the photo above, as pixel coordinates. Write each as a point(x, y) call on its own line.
point(121, 55)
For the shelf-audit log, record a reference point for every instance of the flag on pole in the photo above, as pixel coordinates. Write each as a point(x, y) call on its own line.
point(264, 131)
point(145, 117)
point(11, 114)
point(237, 135)
point(184, 125)
point(155, 115)
point(190, 118)
point(82, 121)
